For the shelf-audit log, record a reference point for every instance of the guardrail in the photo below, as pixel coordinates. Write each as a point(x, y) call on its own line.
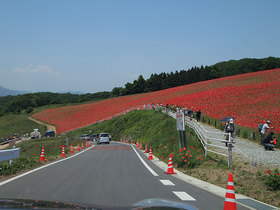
point(214, 142)
point(9, 154)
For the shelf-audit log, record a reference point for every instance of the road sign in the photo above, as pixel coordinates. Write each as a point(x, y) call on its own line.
point(180, 117)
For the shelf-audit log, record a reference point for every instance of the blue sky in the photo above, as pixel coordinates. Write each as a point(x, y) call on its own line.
point(91, 46)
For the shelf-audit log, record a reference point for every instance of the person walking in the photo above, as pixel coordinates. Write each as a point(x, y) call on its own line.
point(229, 130)
point(269, 141)
point(198, 114)
point(265, 127)
point(191, 113)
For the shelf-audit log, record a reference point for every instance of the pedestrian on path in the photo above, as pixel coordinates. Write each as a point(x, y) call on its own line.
point(265, 127)
point(190, 112)
point(198, 114)
point(269, 141)
point(229, 129)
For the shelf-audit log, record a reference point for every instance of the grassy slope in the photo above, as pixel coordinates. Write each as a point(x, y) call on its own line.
point(11, 124)
point(159, 131)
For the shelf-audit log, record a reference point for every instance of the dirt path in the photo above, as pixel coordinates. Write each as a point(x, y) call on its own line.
point(49, 127)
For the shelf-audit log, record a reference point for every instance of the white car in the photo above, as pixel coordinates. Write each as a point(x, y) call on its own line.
point(103, 138)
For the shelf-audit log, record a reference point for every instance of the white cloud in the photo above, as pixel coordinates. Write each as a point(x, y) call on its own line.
point(38, 69)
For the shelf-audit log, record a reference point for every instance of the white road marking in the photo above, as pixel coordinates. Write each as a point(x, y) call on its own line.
point(145, 164)
point(183, 196)
point(167, 182)
point(44, 166)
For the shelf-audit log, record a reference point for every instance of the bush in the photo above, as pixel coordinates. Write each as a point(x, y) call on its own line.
point(272, 181)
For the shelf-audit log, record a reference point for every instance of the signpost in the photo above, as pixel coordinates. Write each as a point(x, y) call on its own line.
point(180, 117)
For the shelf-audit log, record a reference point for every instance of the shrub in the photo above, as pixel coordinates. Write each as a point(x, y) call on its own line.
point(272, 181)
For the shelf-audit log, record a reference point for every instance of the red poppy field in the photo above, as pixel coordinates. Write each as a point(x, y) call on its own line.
point(251, 98)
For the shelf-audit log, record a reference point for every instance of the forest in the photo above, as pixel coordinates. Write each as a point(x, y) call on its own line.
point(26, 102)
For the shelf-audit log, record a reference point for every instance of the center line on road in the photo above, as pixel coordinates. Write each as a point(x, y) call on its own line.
point(167, 182)
point(145, 164)
point(183, 196)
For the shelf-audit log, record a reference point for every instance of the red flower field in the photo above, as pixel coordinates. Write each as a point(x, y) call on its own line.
point(251, 98)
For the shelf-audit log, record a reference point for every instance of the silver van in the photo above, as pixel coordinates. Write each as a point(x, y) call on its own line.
point(103, 138)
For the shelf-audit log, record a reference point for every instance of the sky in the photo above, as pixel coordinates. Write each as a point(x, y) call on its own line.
point(96, 45)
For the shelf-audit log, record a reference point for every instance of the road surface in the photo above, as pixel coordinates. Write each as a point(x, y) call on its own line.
point(107, 176)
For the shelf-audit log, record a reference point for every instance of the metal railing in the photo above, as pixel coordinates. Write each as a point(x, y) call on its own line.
point(214, 142)
point(9, 154)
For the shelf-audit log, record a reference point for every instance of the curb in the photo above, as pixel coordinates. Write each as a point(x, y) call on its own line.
point(240, 199)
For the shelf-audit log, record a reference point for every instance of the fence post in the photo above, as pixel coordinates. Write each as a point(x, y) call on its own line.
point(184, 139)
point(205, 146)
point(229, 150)
point(180, 142)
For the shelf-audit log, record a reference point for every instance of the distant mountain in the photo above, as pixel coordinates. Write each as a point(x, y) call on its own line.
point(6, 92)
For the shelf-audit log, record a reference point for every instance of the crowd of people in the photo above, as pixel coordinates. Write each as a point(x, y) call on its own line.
point(269, 141)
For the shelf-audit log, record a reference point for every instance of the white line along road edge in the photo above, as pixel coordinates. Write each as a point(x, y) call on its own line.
point(145, 164)
point(37, 169)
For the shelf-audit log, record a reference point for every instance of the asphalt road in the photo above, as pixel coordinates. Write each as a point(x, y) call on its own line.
point(107, 176)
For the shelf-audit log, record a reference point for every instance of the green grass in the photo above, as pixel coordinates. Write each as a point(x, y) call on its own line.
point(155, 129)
point(18, 123)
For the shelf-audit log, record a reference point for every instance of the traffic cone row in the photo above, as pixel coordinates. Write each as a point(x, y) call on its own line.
point(170, 169)
point(151, 154)
point(230, 203)
point(146, 149)
point(72, 151)
point(63, 152)
point(42, 157)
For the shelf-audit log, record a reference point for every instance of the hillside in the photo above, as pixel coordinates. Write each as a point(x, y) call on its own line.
point(251, 98)
point(6, 92)
point(27, 102)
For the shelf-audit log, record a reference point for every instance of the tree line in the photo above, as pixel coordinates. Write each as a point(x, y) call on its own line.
point(196, 74)
point(15, 104)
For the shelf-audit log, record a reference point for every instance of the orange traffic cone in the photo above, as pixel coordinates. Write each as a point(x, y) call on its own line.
point(72, 151)
point(78, 148)
point(82, 145)
point(146, 149)
point(126, 141)
point(63, 152)
point(151, 154)
point(42, 157)
point(170, 166)
point(137, 144)
point(131, 141)
point(140, 147)
point(230, 203)
point(89, 144)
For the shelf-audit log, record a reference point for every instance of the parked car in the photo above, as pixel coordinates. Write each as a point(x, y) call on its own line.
point(84, 137)
point(50, 133)
point(110, 138)
point(103, 138)
point(94, 137)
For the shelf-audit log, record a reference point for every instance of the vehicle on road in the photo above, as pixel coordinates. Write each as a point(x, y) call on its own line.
point(94, 137)
point(103, 139)
point(84, 137)
point(50, 133)
point(35, 134)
